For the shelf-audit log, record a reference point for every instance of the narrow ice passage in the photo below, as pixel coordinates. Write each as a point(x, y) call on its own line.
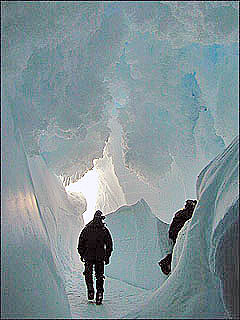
point(147, 92)
point(119, 297)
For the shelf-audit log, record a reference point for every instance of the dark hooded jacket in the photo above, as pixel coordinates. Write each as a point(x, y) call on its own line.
point(180, 218)
point(95, 241)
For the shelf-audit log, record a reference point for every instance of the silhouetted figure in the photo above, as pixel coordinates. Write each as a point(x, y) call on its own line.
point(95, 247)
point(176, 225)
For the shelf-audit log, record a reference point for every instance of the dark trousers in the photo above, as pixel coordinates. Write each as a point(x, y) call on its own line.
point(99, 274)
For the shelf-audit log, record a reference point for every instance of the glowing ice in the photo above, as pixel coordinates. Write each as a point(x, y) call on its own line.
point(88, 186)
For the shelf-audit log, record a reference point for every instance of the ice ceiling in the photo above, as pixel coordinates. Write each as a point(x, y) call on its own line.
point(166, 71)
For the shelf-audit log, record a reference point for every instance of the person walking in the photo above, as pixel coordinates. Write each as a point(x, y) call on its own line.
point(95, 247)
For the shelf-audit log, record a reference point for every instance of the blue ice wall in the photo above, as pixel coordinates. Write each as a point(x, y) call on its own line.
point(31, 284)
point(169, 70)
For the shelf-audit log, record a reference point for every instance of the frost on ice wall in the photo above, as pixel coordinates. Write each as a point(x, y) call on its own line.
point(161, 68)
point(156, 81)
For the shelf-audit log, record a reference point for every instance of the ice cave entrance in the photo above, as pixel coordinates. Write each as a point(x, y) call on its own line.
point(88, 186)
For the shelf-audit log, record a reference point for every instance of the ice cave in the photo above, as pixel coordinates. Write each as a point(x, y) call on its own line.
point(129, 107)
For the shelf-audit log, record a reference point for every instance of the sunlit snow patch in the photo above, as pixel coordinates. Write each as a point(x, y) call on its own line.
point(88, 186)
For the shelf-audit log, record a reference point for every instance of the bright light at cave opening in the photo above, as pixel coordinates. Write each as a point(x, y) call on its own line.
point(88, 186)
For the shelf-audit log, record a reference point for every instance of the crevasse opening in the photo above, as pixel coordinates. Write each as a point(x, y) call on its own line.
point(88, 185)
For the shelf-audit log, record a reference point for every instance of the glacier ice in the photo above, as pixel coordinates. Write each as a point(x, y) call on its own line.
point(194, 288)
point(35, 215)
point(48, 87)
point(137, 251)
point(110, 195)
point(145, 91)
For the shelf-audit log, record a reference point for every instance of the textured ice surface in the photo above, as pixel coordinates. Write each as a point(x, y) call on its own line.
point(168, 74)
point(137, 249)
point(37, 223)
point(159, 61)
point(110, 194)
point(193, 290)
point(63, 84)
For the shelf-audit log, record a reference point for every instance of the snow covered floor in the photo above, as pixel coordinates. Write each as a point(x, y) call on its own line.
point(120, 298)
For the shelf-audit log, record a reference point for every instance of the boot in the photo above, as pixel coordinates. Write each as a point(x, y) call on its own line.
point(90, 295)
point(99, 297)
